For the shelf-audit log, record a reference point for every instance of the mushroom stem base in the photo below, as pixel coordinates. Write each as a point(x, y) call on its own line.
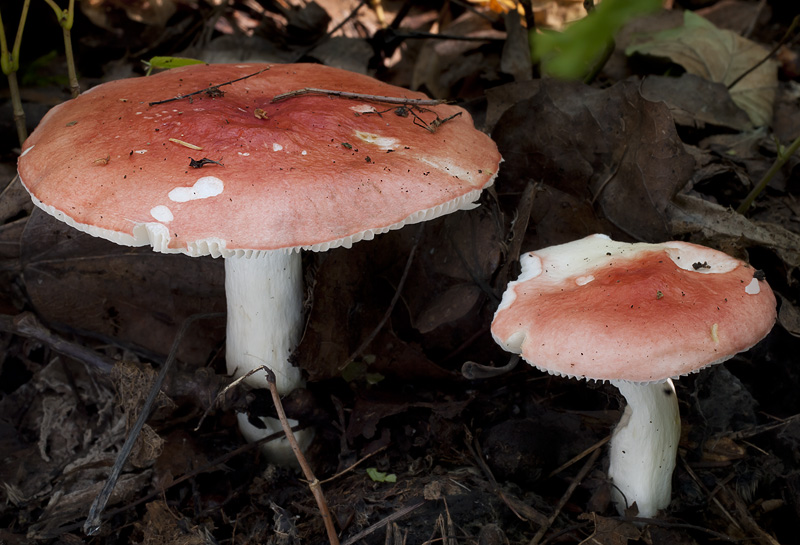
point(265, 319)
point(279, 451)
point(644, 446)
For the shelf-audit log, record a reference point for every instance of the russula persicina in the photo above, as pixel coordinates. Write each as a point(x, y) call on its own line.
point(636, 315)
point(312, 172)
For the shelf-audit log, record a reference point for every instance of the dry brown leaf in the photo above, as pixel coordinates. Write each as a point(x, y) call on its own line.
point(134, 295)
point(148, 12)
point(721, 56)
point(695, 101)
point(726, 228)
point(610, 147)
point(609, 531)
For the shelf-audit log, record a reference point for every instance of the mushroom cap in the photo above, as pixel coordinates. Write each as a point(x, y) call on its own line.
point(606, 310)
point(312, 171)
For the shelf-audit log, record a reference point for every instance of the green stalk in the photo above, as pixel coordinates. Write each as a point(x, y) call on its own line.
point(9, 63)
point(66, 17)
point(783, 156)
point(19, 113)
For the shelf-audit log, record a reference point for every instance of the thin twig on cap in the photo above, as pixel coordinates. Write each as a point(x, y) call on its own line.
point(211, 90)
point(185, 144)
point(358, 96)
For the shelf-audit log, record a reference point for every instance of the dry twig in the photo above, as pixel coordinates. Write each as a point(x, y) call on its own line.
point(313, 483)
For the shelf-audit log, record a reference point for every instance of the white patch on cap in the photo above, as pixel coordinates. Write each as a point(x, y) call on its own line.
point(304, 152)
point(24, 153)
point(583, 280)
point(162, 213)
point(140, 151)
point(753, 288)
point(276, 147)
point(383, 142)
point(700, 259)
point(243, 153)
point(364, 108)
point(531, 268)
point(205, 187)
point(450, 167)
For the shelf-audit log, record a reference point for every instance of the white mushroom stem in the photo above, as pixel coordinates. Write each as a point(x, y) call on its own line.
point(644, 446)
point(265, 320)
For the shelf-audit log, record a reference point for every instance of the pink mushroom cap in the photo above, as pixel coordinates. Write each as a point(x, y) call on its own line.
point(606, 310)
point(309, 172)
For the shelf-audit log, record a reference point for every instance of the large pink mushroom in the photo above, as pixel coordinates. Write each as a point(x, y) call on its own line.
point(636, 315)
point(310, 172)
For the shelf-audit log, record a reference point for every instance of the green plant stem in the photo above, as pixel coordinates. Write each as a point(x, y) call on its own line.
point(762, 183)
point(16, 103)
point(5, 58)
point(66, 17)
point(9, 62)
point(74, 86)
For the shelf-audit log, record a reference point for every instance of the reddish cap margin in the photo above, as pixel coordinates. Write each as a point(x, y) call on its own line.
point(310, 172)
point(606, 310)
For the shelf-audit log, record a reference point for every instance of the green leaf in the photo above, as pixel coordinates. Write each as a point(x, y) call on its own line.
point(165, 63)
point(569, 54)
point(354, 371)
point(380, 476)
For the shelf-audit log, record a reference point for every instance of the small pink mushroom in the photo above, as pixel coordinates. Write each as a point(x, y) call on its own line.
point(635, 315)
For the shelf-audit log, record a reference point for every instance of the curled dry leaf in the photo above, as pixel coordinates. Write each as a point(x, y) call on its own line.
point(726, 228)
point(461, 253)
point(721, 56)
point(611, 147)
point(695, 101)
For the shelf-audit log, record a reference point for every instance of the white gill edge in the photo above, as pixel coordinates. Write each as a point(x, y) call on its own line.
point(156, 234)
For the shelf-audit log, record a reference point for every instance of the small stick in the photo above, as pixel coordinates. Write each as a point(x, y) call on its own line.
point(211, 88)
point(769, 55)
point(222, 393)
point(358, 96)
point(708, 493)
point(313, 483)
point(780, 160)
point(330, 33)
point(565, 498)
point(92, 524)
point(212, 465)
point(392, 304)
point(27, 325)
point(381, 523)
point(756, 430)
point(352, 467)
point(578, 457)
